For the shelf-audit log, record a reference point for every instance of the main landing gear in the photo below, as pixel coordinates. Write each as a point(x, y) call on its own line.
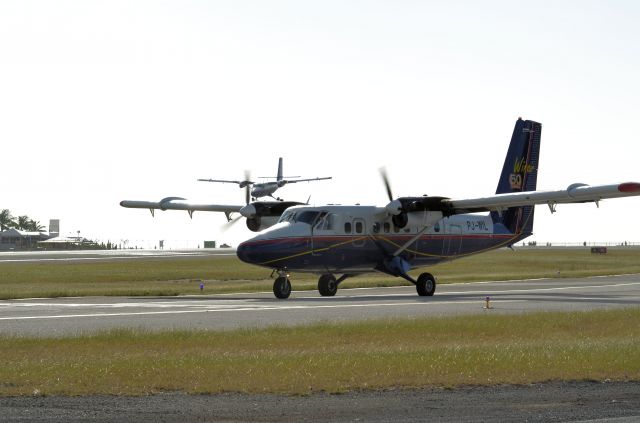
point(328, 285)
point(426, 285)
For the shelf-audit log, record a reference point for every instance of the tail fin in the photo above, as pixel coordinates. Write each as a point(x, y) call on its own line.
point(279, 177)
point(520, 173)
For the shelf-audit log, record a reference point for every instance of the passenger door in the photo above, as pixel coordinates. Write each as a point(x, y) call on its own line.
point(453, 241)
point(359, 226)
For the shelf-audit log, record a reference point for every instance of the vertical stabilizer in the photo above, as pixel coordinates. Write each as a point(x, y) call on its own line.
point(279, 177)
point(520, 173)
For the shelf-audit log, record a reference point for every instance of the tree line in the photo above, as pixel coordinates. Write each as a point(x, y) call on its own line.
point(22, 223)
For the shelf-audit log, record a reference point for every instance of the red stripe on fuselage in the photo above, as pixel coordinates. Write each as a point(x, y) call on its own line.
point(397, 238)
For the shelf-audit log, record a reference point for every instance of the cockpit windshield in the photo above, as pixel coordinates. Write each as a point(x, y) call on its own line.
point(304, 216)
point(307, 216)
point(288, 216)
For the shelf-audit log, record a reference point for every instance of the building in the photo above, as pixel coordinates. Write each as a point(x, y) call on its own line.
point(14, 239)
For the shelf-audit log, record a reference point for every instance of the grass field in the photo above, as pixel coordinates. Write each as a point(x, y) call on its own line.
point(224, 274)
point(447, 352)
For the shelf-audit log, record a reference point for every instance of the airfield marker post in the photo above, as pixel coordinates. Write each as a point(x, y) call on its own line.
point(487, 305)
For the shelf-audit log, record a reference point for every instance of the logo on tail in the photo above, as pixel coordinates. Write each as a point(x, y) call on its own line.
point(520, 169)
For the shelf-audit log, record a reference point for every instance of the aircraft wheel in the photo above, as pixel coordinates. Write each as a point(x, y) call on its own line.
point(426, 285)
point(327, 285)
point(282, 287)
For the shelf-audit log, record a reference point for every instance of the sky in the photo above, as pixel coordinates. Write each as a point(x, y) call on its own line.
point(102, 101)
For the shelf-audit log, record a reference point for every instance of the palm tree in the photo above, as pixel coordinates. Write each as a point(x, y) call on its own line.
point(27, 224)
point(6, 220)
point(23, 223)
point(34, 226)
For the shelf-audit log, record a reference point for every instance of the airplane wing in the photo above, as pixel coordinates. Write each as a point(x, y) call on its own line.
point(178, 203)
point(224, 181)
point(575, 193)
point(291, 181)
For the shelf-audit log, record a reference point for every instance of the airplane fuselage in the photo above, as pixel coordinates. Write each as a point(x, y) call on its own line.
point(357, 239)
point(264, 190)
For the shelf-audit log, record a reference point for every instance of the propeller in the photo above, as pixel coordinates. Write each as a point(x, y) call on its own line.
point(248, 210)
point(247, 180)
point(225, 227)
point(395, 206)
point(247, 187)
point(387, 185)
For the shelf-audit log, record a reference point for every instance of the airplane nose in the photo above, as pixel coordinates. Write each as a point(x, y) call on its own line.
point(244, 252)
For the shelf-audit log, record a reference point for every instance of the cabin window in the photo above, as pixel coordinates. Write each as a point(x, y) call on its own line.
point(436, 227)
point(347, 227)
point(359, 227)
point(376, 227)
point(387, 227)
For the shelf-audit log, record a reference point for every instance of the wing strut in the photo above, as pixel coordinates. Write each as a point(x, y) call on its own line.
point(411, 241)
point(431, 218)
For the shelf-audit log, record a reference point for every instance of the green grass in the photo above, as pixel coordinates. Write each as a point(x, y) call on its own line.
point(224, 274)
point(446, 352)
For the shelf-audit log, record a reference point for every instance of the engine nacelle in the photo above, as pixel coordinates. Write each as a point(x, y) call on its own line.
point(425, 218)
point(263, 214)
point(400, 220)
point(406, 210)
point(259, 223)
point(253, 223)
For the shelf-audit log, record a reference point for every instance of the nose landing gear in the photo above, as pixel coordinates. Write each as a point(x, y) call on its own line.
point(282, 286)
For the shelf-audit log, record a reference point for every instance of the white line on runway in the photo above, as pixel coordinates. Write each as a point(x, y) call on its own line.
point(507, 291)
point(190, 304)
point(35, 260)
point(267, 308)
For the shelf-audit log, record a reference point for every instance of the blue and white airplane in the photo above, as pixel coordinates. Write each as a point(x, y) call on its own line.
point(340, 241)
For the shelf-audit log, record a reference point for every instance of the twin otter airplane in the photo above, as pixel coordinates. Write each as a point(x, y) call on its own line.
point(338, 242)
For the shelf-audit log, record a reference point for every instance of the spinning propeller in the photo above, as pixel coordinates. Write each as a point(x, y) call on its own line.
point(248, 210)
point(394, 207)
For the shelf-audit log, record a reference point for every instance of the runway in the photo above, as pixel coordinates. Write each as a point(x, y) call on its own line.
point(67, 316)
point(107, 255)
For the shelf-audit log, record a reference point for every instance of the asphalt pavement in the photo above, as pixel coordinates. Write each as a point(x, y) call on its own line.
point(68, 316)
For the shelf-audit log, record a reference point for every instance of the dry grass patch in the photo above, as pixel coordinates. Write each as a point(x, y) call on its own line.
point(448, 351)
point(226, 274)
